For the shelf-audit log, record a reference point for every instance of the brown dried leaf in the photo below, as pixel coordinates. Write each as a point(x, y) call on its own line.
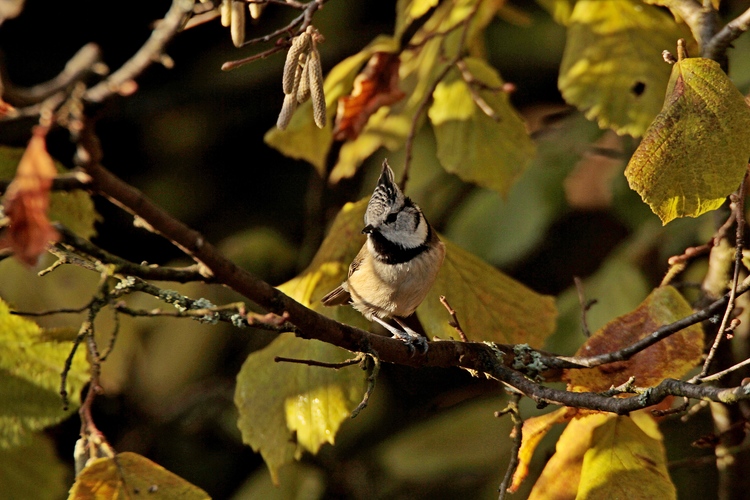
point(27, 201)
point(374, 87)
point(671, 357)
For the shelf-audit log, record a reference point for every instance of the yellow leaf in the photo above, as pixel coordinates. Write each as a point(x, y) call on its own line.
point(302, 139)
point(626, 462)
point(490, 305)
point(695, 153)
point(560, 477)
point(669, 358)
point(409, 10)
point(129, 475)
point(30, 379)
point(612, 66)
point(471, 144)
point(560, 10)
point(534, 429)
point(277, 401)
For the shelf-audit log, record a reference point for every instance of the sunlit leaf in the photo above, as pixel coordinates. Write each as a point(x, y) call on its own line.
point(33, 471)
point(626, 460)
point(277, 401)
point(30, 379)
point(612, 67)
point(302, 139)
point(376, 86)
point(129, 475)
point(288, 408)
point(490, 305)
point(695, 153)
point(560, 10)
point(534, 429)
point(409, 10)
point(669, 358)
point(562, 473)
point(489, 152)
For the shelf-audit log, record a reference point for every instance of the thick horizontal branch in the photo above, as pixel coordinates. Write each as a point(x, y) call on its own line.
point(478, 357)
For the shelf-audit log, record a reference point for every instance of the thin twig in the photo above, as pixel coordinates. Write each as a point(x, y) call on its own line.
point(454, 319)
point(739, 210)
point(371, 379)
point(515, 416)
point(585, 306)
point(322, 364)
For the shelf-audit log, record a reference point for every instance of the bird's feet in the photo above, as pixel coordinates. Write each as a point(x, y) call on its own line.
point(407, 335)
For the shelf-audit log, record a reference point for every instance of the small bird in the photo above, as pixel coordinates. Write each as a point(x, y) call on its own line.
point(398, 264)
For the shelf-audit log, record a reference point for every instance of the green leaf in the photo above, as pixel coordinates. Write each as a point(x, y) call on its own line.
point(695, 153)
point(471, 144)
point(409, 10)
point(390, 126)
point(33, 471)
point(618, 286)
point(129, 475)
point(466, 439)
point(30, 379)
point(612, 67)
point(627, 460)
point(75, 209)
point(296, 481)
point(490, 305)
point(278, 401)
point(302, 139)
point(483, 221)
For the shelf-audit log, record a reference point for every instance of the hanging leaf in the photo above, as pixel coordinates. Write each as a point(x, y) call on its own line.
point(490, 152)
point(376, 86)
point(284, 408)
point(612, 67)
point(669, 358)
point(696, 151)
point(626, 460)
point(490, 305)
point(75, 209)
point(26, 202)
point(30, 379)
point(129, 475)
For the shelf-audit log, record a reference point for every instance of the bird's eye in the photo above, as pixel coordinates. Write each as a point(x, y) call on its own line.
point(391, 218)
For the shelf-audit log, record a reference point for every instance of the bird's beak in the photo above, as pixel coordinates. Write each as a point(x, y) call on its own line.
point(368, 229)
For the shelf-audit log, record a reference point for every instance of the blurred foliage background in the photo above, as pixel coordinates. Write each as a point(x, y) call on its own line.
point(191, 138)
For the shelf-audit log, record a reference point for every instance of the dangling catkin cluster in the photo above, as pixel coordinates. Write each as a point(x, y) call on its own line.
point(303, 78)
point(233, 17)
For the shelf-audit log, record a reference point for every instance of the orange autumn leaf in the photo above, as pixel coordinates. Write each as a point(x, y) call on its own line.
point(27, 201)
point(670, 358)
point(374, 87)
